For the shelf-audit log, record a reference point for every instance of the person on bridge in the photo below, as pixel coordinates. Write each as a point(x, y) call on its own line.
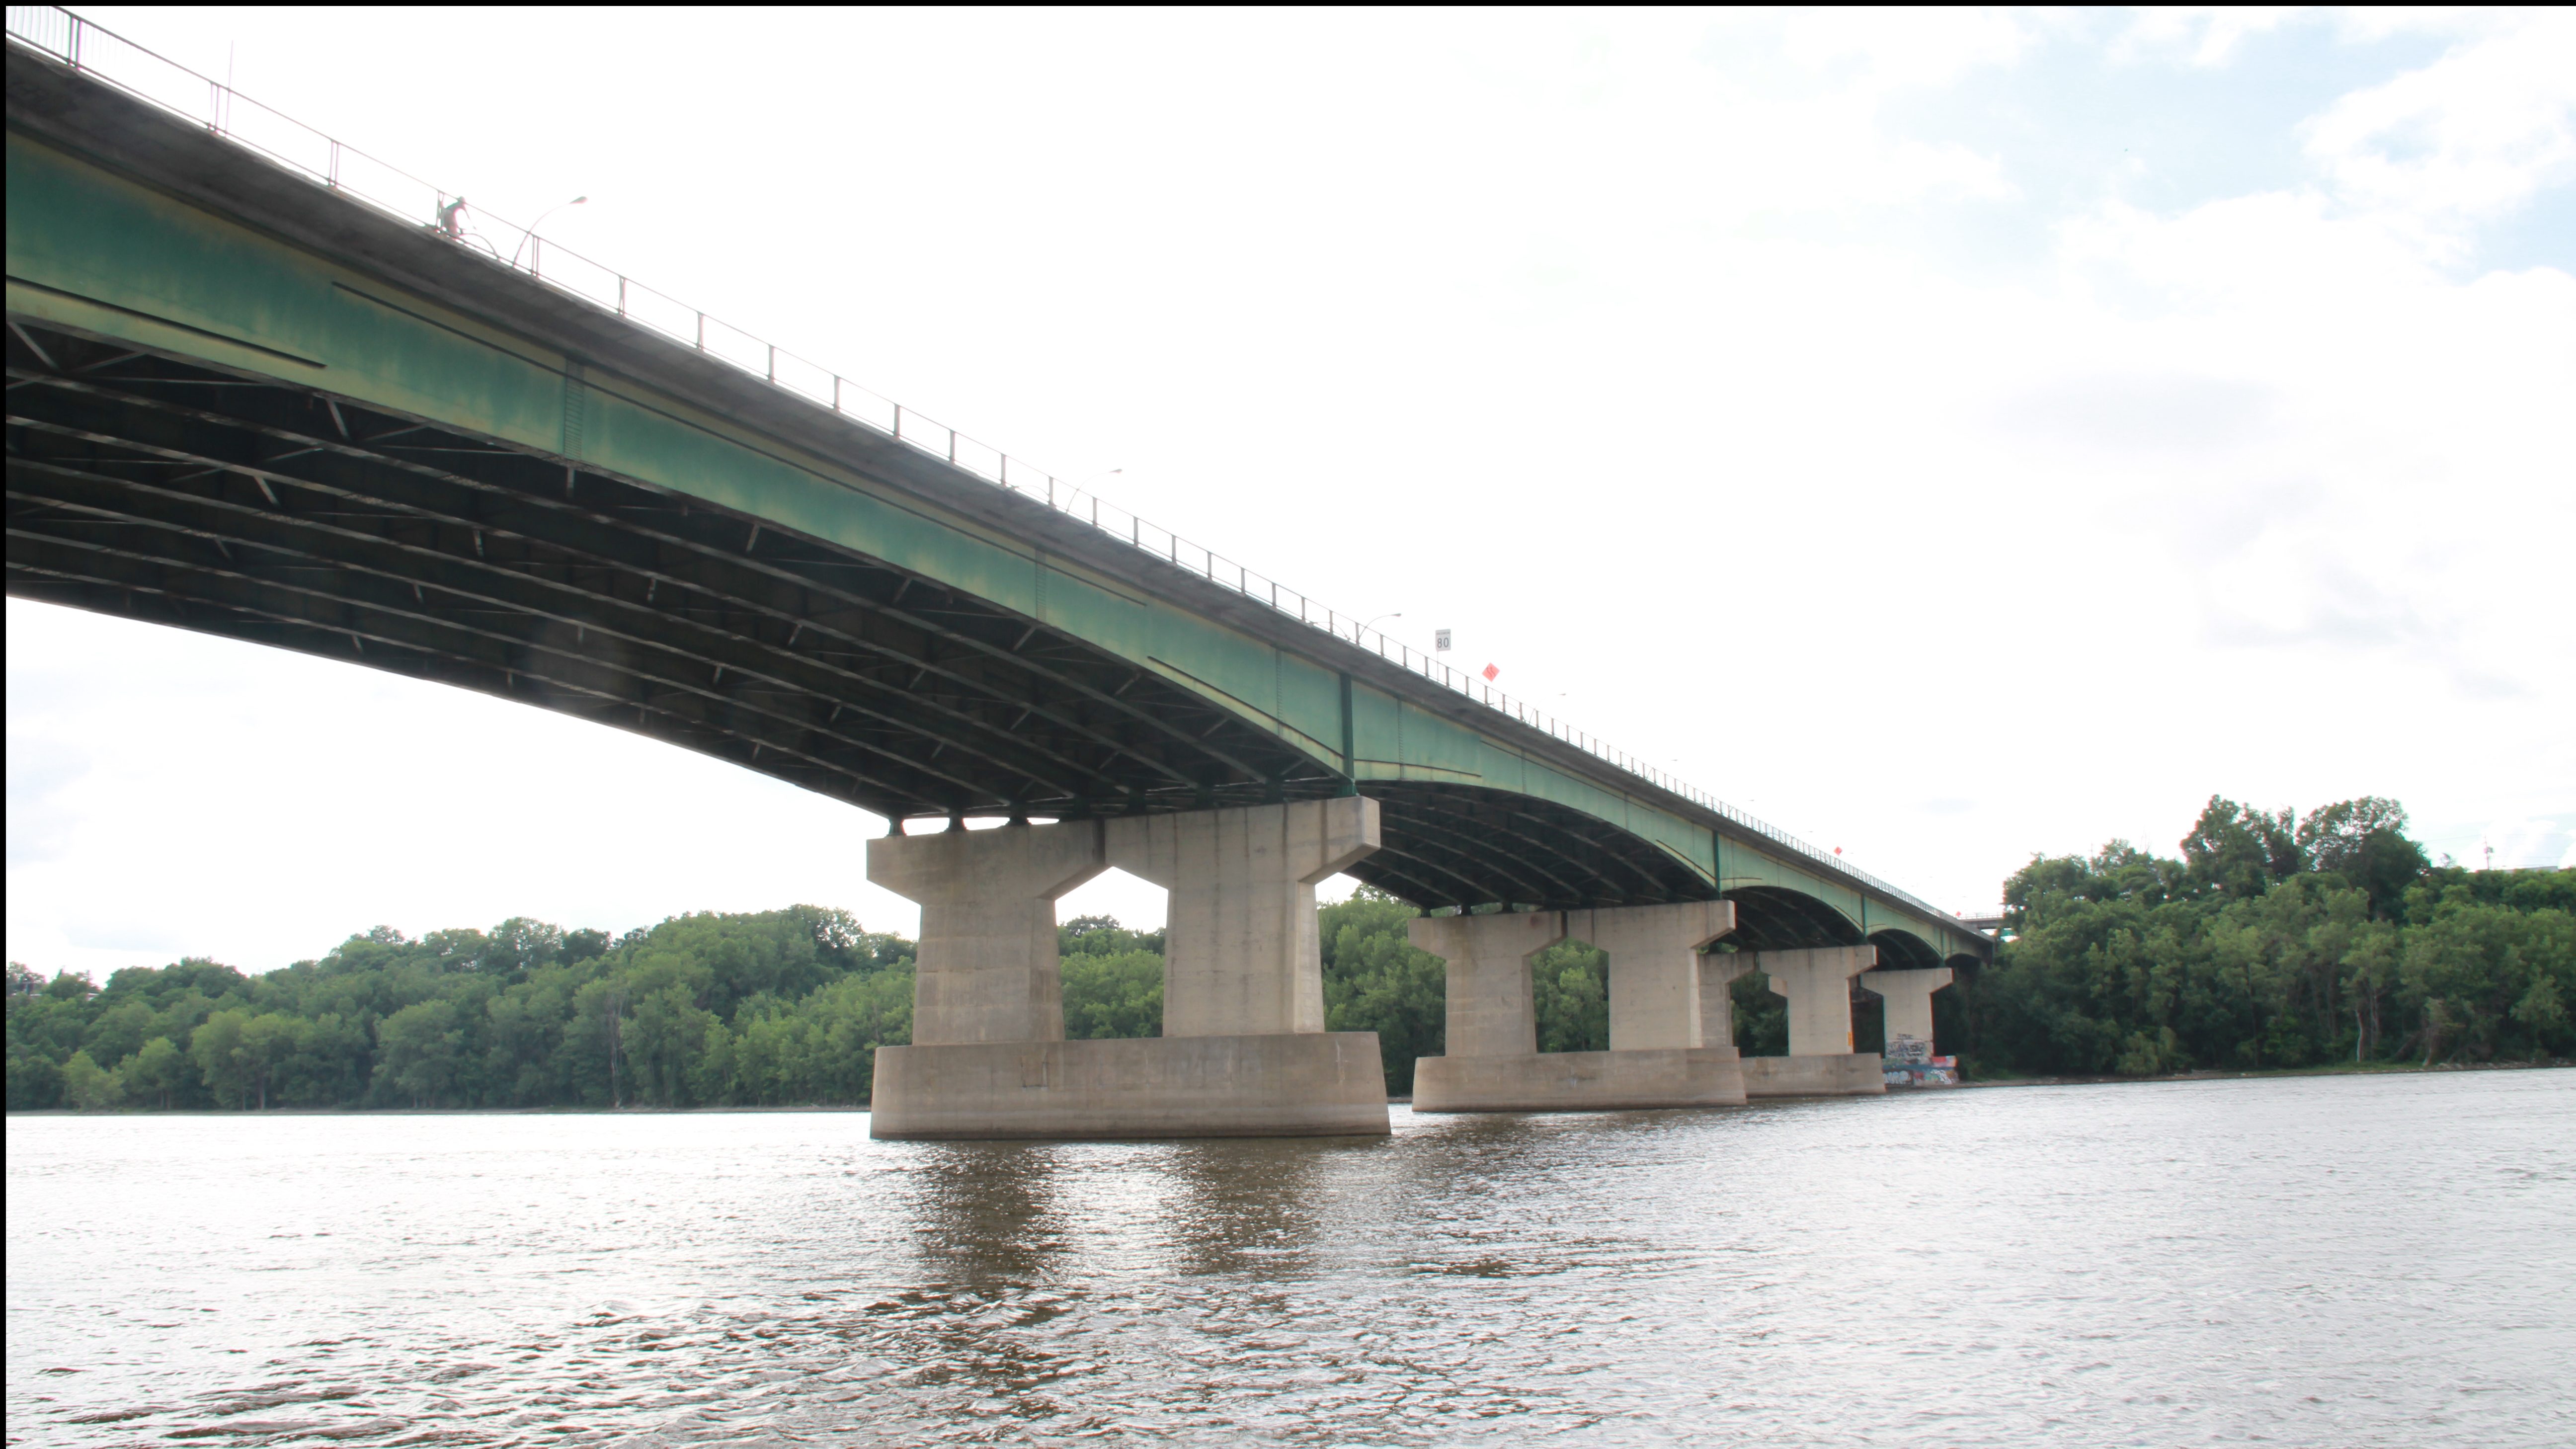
point(451, 219)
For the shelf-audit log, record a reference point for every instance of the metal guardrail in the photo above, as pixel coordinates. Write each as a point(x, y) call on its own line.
point(106, 56)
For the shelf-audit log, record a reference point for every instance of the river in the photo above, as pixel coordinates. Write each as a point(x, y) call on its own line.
point(2342, 1262)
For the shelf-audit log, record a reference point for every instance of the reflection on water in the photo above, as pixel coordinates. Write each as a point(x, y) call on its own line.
point(2323, 1261)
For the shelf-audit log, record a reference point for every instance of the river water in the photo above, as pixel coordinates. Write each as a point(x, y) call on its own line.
point(2320, 1261)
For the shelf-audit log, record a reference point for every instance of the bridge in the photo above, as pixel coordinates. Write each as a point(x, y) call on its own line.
point(257, 389)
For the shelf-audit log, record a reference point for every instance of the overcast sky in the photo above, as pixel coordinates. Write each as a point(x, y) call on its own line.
point(1950, 437)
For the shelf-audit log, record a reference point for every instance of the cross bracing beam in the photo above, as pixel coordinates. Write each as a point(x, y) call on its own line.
point(1772, 919)
point(1424, 834)
point(288, 538)
point(1521, 850)
point(327, 596)
point(760, 606)
point(666, 543)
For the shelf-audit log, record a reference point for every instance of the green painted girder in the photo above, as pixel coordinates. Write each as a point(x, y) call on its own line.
point(279, 415)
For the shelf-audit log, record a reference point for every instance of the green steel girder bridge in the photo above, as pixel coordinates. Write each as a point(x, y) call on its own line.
point(256, 391)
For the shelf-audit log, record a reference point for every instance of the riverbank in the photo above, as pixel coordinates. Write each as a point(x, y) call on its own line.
point(2366, 1069)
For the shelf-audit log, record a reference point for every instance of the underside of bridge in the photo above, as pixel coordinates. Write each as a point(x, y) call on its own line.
point(165, 490)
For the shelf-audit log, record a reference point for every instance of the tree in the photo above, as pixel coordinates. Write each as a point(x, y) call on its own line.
point(1761, 1016)
point(518, 946)
point(1375, 979)
point(2364, 841)
point(268, 1042)
point(416, 1051)
point(88, 1087)
point(2240, 850)
point(600, 1007)
point(1570, 991)
point(532, 1016)
point(1112, 994)
point(666, 1040)
point(216, 1047)
point(156, 1072)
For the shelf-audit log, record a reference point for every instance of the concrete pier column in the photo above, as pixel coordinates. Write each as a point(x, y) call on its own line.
point(985, 969)
point(1490, 1008)
point(1908, 995)
point(1654, 968)
point(1660, 1054)
point(1818, 985)
point(1240, 951)
point(1821, 1062)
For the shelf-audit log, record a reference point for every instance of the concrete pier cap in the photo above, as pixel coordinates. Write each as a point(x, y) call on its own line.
point(1661, 992)
point(985, 968)
point(1243, 1052)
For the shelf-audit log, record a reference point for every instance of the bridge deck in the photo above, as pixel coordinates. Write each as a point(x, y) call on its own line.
point(242, 404)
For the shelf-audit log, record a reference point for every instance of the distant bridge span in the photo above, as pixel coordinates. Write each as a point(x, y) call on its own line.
point(244, 404)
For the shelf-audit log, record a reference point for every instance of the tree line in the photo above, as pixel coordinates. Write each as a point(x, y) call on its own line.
point(2272, 940)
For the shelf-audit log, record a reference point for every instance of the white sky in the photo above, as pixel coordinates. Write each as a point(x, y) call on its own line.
point(1947, 436)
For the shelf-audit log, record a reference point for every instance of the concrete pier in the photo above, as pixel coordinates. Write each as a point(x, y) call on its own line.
point(1243, 1051)
point(1240, 954)
point(1908, 995)
point(1660, 1053)
point(1491, 1010)
point(985, 970)
point(1821, 1062)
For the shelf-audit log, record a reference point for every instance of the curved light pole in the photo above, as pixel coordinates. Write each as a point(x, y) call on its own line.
point(531, 233)
point(1082, 486)
point(1397, 614)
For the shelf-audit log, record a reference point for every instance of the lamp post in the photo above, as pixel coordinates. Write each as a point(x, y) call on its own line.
point(530, 234)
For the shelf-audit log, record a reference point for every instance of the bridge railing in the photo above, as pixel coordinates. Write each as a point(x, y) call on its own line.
point(106, 56)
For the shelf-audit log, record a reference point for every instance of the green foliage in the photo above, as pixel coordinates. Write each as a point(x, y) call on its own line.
point(1103, 936)
point(156, 1072)
point(1113, 979)
point(2274, 942)
point(1113, 994)
point(88, 1087)
point(1761, 1016)
point(1376, 980)
point(775, 1007)
point(1570, 993)
point(416, 1052)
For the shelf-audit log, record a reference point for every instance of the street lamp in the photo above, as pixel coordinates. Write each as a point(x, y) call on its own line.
point(531, 233)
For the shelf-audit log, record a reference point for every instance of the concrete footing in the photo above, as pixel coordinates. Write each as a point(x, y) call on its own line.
point(1857, 1074)
point(1285, 1084)
point(1580, 1081)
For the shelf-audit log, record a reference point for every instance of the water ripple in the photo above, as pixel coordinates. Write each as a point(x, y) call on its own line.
point(2335, 1262)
